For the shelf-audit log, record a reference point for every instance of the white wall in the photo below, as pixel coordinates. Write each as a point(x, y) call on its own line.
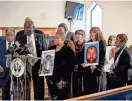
point(117, 17)
point(43, 13)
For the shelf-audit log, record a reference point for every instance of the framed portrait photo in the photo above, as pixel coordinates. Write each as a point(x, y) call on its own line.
point(47, 63)
point(91, 53)
point(109, 58)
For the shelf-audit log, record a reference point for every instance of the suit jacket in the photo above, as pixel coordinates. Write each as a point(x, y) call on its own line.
point(5, 74)
point(22, 32)
point(41, 45)
point(2, 56)
point(102, 51)
point(123, 65)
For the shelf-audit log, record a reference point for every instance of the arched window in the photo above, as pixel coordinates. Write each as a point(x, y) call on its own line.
point(94, 16)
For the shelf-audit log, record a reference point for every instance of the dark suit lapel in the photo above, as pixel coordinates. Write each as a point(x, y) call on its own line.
point(36, 42)
point(35, 38)
point(24, 39)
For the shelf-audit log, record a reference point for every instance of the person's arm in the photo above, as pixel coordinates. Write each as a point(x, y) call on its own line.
point(70, 44)
point(70, 60)
point(102, 51)
point(51, 43)
point(124, 64)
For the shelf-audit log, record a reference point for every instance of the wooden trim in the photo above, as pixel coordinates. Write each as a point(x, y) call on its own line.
point(102, 94)
point(35, 27)
point(47, 31)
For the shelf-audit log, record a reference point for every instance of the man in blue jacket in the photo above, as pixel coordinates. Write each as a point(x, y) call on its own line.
point(9, 38)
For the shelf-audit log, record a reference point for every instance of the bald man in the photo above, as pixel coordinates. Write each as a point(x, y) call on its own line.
point(22, 31)
point(37, 44)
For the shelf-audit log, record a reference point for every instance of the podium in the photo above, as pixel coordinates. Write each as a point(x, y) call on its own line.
point(21, 74)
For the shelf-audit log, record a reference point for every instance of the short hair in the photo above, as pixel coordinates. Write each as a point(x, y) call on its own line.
point(29, 23)
point(28, 19)
point(130, 47)
point(95, 50)
point(111, 37)
point(92, 47)
point(98, 32)
point(80, 31)
point(62, 35)
point(64, 26)
point(10, 29)
point(123, 37)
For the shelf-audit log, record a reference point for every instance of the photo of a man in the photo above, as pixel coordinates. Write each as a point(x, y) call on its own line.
point(91, 53)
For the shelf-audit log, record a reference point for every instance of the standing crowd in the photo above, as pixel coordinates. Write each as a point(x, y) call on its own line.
point(71, 78)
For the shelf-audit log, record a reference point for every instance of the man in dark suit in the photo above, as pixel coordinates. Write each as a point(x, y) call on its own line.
point(22, 31)
point(9, 37)
point(37, 44)
point(122, 62)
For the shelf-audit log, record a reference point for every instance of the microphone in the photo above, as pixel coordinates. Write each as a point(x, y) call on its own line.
point(24, 50)
point(16, 45)
point(12, 48)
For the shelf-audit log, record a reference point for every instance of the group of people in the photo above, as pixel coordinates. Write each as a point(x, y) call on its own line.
point(71, 78)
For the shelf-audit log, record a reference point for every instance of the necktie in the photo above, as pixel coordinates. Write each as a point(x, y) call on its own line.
point(9, 44)
point(8, 60)
point(30, 43)
point(31, 49)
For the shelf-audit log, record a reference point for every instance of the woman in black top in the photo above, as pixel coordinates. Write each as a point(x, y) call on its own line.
point(91, 73)
point(77, 72)
point(59, 82)
point(130, 70)
point(122, 61)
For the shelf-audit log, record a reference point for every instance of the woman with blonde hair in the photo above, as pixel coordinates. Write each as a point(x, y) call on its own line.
point(69, 37)
point(91, 73)
point(59, 82)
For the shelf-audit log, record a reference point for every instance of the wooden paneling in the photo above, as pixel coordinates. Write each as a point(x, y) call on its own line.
point(47, 31)
point(103, 94)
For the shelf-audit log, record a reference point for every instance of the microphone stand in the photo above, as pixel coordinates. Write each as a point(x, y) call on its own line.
point(23, 51)
point(12, 87)
point(14, 54)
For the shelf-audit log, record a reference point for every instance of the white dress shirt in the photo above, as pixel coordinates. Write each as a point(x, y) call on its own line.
point(33, 42)
point(8, 60)
point(7, 43)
